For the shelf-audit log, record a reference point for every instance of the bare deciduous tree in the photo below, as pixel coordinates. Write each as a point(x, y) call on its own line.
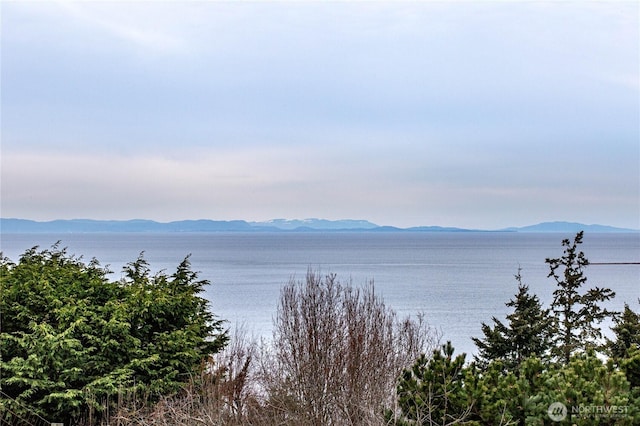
point(337, 353)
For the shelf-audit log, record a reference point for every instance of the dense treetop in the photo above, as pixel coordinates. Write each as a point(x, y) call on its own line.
point(71, 338)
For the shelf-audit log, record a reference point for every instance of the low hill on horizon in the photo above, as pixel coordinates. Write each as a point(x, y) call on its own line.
point(12, 225)
point(569, 227)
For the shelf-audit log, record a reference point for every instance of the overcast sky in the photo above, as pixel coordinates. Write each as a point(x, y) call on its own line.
point(472, 114)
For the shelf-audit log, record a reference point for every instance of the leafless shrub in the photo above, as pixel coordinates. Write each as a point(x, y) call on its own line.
point(232, 386)
point(337, 353)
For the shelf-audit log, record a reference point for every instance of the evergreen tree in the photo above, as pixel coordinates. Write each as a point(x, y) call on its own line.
point(576, 314)
point(627, 333)
point(593, 391)
point(71, 339)
point(432, 391)
point(172, 323)
point(496, 394)
point(525, 335)
point(625, 349)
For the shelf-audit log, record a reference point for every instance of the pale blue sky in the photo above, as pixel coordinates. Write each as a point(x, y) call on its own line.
point(473, 114)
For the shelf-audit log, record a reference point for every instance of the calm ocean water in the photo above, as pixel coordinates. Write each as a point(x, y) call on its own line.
point(458, 280)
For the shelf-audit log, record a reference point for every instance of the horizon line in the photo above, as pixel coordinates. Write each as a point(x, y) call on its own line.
point(370, 225)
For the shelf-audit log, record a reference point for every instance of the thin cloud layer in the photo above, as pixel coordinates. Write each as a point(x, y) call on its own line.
point(465, 114)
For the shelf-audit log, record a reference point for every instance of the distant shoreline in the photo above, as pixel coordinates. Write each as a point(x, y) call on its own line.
point(13, 225)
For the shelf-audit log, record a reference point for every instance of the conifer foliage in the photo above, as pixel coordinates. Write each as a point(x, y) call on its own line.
point(627, 333)
point(72, 340)
point(526, 334)
point(577, 314)
point(516, 378)
point(432, 391)
point(625, 348)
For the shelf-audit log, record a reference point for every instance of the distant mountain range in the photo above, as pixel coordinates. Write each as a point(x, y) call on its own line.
point(569, 227)
point(277, 225)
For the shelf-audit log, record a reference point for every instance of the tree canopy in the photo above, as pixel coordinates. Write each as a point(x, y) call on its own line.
point(515, 378)
point(72, 339)
point(527, 333)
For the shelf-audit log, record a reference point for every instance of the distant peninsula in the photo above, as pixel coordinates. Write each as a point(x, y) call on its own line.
point(11, 225)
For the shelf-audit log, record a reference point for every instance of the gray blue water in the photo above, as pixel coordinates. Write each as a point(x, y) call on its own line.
point(458, 280)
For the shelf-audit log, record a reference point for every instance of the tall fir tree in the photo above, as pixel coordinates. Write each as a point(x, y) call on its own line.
point(526, 333)
point(576, 314)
